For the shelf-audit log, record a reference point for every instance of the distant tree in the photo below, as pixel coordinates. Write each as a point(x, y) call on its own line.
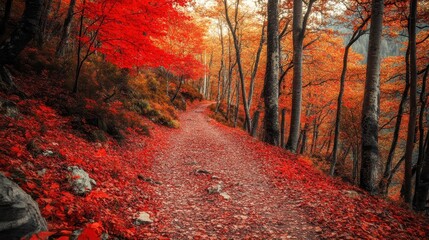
point(233, 27)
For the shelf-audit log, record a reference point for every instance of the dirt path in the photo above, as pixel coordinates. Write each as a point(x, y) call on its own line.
point(256, 209)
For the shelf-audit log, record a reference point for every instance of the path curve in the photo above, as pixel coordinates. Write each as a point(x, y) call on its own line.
point(256, 208)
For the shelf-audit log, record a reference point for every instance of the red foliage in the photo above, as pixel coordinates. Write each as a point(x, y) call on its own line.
point(118, 195)
point(139, 34)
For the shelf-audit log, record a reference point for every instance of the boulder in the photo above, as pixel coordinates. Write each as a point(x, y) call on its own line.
point(225, 196)
point(215, 188)
point(80, 181)
point(19, 214)
point(143, 218)
point(8, 108)
point(351, 193)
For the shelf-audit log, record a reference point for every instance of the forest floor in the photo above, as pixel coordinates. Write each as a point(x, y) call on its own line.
point(260, 192)
point(257, 191)
point(244, 203)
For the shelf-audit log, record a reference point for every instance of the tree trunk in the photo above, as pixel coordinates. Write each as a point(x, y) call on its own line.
point(233, 30)
point(356, 35)
point(237, 103)
point(295, 122)
point(271, 97)
point(420, 162)
point(355, 165)
point(43, 22)
point(422, 190)
point(255, 122)
point(413, 105)
point(315, 136)
point(304, 139)
point(6, 16)
point(26, 30)
point(282, 132)
point(339, 107)
point(371, 104)
point(79, 48)
point(299, 27)
point(177, 90)
point(66, 30)
point(256, 65)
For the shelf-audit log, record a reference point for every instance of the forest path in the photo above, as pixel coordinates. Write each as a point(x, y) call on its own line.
point(256, 208)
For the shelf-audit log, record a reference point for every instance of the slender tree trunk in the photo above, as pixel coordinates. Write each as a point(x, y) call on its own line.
point(237, 103)
point(356, 35)
point(282, 132)
point(6, 16)
point(79, 48)
point(420, 162)
point(233, 30)
point(355, 165)
point(339, 107)
point(295, 122)
point(177, 90)
point(255, 122)
point(43, 22)
point(413, 105)
point(304, 139)
point(388, 167)
point(371, 104)
point(421, 196)
point(271, 97)
point(66, 30)
point(256, 65)
point(299, 27)
point(208, 85)
point(315, 136)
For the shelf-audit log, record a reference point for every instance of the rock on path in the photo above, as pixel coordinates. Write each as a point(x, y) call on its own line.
point(256, 209)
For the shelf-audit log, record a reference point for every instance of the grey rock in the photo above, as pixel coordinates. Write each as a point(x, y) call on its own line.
point(351, 193)
point(148, 180)
point(8, 108)
point(41, 172)
point(202, 172)
point(80, 181)
point(215, 188)
point(48, 153)
point(225, 196)
point(143, 218)
point(19, 214)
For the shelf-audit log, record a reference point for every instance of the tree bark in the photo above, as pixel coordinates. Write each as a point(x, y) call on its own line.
point(6, 16)
point(413, 106)
point(383, 186)
point(43, 22)
point(282, 134)
point(233, 30)
point(256, 65)
point(356, 35)
point(26, 30)
point(271, 97)
point(422, 190)
point(420, 162)
point(66, 30)
point(177, 90)
point(299, 26)
point(371, 104)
